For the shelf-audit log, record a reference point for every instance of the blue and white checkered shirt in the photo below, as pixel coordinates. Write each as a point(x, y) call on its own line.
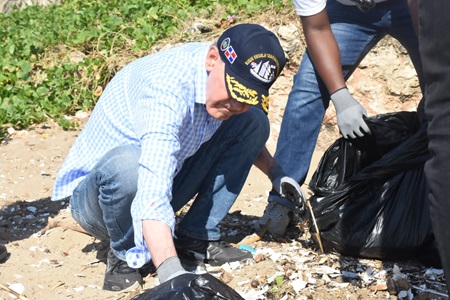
point(157, 103)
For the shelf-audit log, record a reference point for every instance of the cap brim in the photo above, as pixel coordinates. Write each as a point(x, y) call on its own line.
point(246, 91)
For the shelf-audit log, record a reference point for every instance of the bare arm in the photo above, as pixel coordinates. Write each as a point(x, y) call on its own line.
point(323, 50)
point(265, 161)
point(158, 237)
point(326, 58)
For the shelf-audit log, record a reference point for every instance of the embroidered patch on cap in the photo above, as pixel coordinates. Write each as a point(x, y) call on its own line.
point(230, 54)
point(225, 43)
point(264, 71)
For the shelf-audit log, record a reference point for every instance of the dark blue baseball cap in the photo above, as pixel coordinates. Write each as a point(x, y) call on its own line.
point(253, 59)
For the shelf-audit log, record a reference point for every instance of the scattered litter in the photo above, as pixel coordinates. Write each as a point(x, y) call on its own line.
point(247, 248)
point(430, 291)
point(17, 287)
point(32, 209)
point(79, 289)
point(243, 282)
point(367, 276)
point(350, 274)
point(274, 276)
point(230, 266)
point(253, 294)
point(298, 285)
point(15, 290)
point(406, 295)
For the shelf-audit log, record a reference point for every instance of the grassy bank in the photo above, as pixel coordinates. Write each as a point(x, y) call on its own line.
point(57, 59)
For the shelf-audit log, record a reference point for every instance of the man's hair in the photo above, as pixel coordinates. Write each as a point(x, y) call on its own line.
point(216, 44)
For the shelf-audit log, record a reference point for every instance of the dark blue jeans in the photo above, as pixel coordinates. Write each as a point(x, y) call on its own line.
point(215, 174)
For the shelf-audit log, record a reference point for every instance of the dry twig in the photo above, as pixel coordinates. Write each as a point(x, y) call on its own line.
point(16, 294)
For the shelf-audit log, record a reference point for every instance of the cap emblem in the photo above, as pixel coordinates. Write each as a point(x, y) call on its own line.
point(230, 54)
point(263, 71)
point(225, 43)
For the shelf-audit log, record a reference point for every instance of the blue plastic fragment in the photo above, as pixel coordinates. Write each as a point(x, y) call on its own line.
point(247, 248)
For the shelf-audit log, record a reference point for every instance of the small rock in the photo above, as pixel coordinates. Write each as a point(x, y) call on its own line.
point(391, 286)
point(255, 283)
point(378, 287)
point(226, 277)
point(260, 257)
point(402, 284)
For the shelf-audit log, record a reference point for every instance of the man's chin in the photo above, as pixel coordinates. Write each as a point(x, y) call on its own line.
point(222, 117)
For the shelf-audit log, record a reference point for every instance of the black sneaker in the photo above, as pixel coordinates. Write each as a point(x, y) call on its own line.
point(215, 253)
point(118, 275)
point(147, 269)
point(3, 253)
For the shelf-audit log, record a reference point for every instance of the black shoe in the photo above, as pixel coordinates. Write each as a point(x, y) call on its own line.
point(215, 253)
point(118, 275)
point(147, 269)
point(3, 253)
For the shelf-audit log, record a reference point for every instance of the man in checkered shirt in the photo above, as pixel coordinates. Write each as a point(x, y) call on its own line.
point(188, 121)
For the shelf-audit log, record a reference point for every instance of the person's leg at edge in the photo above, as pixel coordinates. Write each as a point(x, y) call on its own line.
point(401, 28)
point(434, 45)
point(101, 205)
point(308, 101)
point(217, 172)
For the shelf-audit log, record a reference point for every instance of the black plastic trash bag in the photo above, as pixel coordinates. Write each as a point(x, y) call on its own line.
point(370, 194)
point(191, 286)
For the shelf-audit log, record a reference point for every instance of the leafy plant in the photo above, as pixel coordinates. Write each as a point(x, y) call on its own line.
point(56, 59)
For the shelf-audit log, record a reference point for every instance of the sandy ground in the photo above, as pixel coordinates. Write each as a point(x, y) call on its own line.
point(62, 263)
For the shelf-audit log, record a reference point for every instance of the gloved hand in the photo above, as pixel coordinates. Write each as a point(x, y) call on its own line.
point(287, 187)
point(169, 269)
point(349, 114)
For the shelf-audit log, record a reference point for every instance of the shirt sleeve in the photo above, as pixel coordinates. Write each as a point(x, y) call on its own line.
point(159, 117)
point(306, 8)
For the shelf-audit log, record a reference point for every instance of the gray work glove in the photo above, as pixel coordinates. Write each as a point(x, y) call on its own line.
point(169, 269)
point(349, 114)
point(287, 187)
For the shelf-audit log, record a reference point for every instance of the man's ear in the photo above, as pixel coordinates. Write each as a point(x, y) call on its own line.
point(212, 58)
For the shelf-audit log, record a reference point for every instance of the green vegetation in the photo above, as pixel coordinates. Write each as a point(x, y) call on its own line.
point(56, 60)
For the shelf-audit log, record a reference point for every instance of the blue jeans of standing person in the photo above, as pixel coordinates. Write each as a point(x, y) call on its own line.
point(434, 47)
point(216, 173)
point(356, 34)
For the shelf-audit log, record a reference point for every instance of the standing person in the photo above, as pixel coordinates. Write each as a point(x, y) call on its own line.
point(339, 34)
point(434, 49)
point(187, 121)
